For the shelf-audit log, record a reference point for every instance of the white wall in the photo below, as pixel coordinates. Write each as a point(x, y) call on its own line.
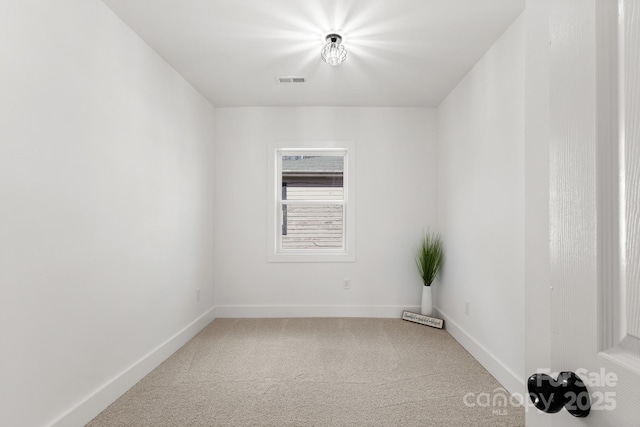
point(537, 254)
point(481, 209)
point(106, 210)
point(395, 200)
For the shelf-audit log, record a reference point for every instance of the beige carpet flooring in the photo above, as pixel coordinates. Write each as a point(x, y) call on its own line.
point(314, 372)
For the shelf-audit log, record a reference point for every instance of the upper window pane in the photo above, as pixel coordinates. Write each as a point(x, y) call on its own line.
point(313, 177)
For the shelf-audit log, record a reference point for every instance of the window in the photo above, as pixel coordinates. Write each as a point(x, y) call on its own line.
point(311, 210)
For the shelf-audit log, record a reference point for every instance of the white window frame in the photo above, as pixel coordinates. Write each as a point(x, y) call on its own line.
point(276, 150)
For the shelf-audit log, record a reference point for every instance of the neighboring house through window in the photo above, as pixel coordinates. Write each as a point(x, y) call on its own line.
point(311, 210)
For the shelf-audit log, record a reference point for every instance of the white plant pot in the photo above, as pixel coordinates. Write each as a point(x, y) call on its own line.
point(427, 301)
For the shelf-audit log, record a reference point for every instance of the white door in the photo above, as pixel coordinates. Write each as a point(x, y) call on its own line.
point(594, 215)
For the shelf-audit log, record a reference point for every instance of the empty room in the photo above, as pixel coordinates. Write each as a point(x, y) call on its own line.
point(319, 213)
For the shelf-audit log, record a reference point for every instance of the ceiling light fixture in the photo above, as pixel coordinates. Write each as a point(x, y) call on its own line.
point(333, 53)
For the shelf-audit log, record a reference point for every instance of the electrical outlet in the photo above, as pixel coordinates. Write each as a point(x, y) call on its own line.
point(466, 307)
point(198, 294)
point(346, 284)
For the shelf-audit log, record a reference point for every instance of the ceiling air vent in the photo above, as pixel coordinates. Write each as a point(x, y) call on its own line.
point(291, 79)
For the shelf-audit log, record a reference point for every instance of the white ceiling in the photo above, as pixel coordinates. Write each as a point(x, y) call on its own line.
point(400, 52)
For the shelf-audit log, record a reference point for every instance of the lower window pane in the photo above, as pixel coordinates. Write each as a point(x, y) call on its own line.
point(312, 227)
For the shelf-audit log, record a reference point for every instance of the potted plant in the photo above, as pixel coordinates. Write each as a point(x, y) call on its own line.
point(429, 258)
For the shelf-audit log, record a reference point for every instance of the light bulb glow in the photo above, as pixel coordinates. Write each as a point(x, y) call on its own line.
point(333, 53)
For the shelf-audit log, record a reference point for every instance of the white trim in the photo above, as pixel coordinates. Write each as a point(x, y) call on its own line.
point(346, 148)
point(512, 382)
point(613, 188)
point(610, 158)
point(87, 409)
point(275, 311)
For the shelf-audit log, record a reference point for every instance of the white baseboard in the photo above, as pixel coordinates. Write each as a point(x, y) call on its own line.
point(263, 311)
point(505, 376)
point(95, 403)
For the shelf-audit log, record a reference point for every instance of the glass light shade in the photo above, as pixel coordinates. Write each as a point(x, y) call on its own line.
point(333, 53)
